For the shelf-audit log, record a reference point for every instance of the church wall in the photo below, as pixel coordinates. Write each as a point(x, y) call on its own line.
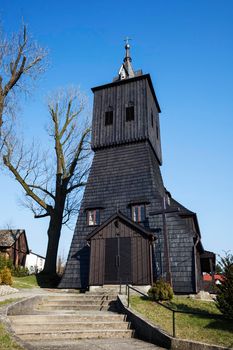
point(153, 130)
point(119, 97)
point(120, 176)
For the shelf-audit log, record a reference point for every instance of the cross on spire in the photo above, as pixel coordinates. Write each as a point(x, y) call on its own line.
point(127, 39)
point(126, 70)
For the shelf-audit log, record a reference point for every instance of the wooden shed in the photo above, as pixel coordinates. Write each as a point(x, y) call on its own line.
point(120, 252)
point(14, 246)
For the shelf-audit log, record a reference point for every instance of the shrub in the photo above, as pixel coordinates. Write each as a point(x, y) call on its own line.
point(160, 290)
point(20, 271)
point(6, 276)
point(5, 262)
point(224, 299)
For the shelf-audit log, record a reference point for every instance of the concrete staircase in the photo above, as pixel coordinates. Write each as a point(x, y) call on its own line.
point(70, 317)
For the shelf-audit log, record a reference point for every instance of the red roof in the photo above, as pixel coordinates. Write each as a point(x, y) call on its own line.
point(208, 278)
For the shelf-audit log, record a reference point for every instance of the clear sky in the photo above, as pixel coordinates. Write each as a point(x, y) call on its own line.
point(187, 47)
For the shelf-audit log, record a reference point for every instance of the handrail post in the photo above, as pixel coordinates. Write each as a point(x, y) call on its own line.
point(174, 323)
point(128, 296)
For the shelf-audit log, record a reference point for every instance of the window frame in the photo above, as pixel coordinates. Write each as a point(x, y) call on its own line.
point(136, 212)
point(96, 217)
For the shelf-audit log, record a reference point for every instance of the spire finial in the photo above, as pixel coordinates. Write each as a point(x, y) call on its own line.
point(127, 39)
point(126, 70)
point(127, 49)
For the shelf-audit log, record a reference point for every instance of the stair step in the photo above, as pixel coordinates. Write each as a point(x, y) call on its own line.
point(75, 302)
point(82, 334)
point(80, 297)
point(38, 327)
point(100, 316)
point(74, 307)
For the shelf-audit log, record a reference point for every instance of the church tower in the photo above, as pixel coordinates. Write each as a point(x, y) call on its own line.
point(130, 229)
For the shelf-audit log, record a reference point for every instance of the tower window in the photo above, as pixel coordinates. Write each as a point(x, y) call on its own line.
point(152, 119)
point(138, 213)
point(129, 113)
point(93, 217)
point(108, 118)
point(157, 131)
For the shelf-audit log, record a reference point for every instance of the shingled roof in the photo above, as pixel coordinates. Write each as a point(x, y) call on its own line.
point(9, 237)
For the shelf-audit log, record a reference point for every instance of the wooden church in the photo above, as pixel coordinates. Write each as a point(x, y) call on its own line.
point(130, 229)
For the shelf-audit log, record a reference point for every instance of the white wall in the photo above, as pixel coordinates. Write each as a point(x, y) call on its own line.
point(34, 263)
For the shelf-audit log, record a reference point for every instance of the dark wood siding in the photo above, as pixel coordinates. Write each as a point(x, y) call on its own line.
point(118, 97)
point(133, 252)
point(153, 131)
point(18, 251)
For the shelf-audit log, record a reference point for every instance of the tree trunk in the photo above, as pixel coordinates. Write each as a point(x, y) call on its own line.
point(54, 232)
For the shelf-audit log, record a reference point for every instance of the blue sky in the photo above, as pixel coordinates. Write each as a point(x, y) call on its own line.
point(187, 47)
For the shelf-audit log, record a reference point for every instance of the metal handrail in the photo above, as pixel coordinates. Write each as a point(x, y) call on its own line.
point(128, 287)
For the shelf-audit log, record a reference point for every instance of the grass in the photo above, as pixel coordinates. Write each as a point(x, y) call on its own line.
point(25, 282)
point(5, 340)
point(194, 327)
point(8, 301)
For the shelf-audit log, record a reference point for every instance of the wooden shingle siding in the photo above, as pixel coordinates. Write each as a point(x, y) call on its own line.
point(119, 176)
point(126, 171)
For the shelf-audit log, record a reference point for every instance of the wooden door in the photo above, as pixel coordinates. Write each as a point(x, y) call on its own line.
point(118, 260)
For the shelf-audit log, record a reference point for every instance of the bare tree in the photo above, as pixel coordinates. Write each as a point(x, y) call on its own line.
point(52, 182)
point(21, 61)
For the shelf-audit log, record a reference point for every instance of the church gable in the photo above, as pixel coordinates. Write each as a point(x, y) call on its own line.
point(120, 225)
point(120, 253)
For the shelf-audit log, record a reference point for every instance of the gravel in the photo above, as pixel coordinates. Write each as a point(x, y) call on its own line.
point(5, 290)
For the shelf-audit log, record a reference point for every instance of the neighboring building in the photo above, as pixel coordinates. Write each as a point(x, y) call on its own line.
point(130, 229)
point(13, 245)
point(210, 281)
point(216, 278)
point(34, 262)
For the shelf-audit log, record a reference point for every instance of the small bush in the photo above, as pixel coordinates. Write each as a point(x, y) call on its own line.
point(6, 276)
point(160, 291)
point(20, 271)
point(5, 262)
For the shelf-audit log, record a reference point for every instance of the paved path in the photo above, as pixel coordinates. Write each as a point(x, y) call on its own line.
point(98, 344)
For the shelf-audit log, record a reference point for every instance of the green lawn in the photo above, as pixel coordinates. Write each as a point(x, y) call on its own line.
point(194, 327)
point(6, 343)
point(8, 301)
point(25, 282)
point(5, 340)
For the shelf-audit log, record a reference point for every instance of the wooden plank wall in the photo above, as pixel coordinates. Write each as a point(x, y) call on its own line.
point(119, 97)
point(140, 260)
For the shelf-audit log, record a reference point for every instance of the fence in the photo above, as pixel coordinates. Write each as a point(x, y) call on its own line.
point(173, 311)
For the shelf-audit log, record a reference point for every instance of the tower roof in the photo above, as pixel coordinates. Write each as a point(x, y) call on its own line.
point(126, 70)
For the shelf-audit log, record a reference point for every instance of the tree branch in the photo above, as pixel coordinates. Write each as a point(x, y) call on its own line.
point(43, 190)
point(25, 186)
point(78, 152)
point(41, 216)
